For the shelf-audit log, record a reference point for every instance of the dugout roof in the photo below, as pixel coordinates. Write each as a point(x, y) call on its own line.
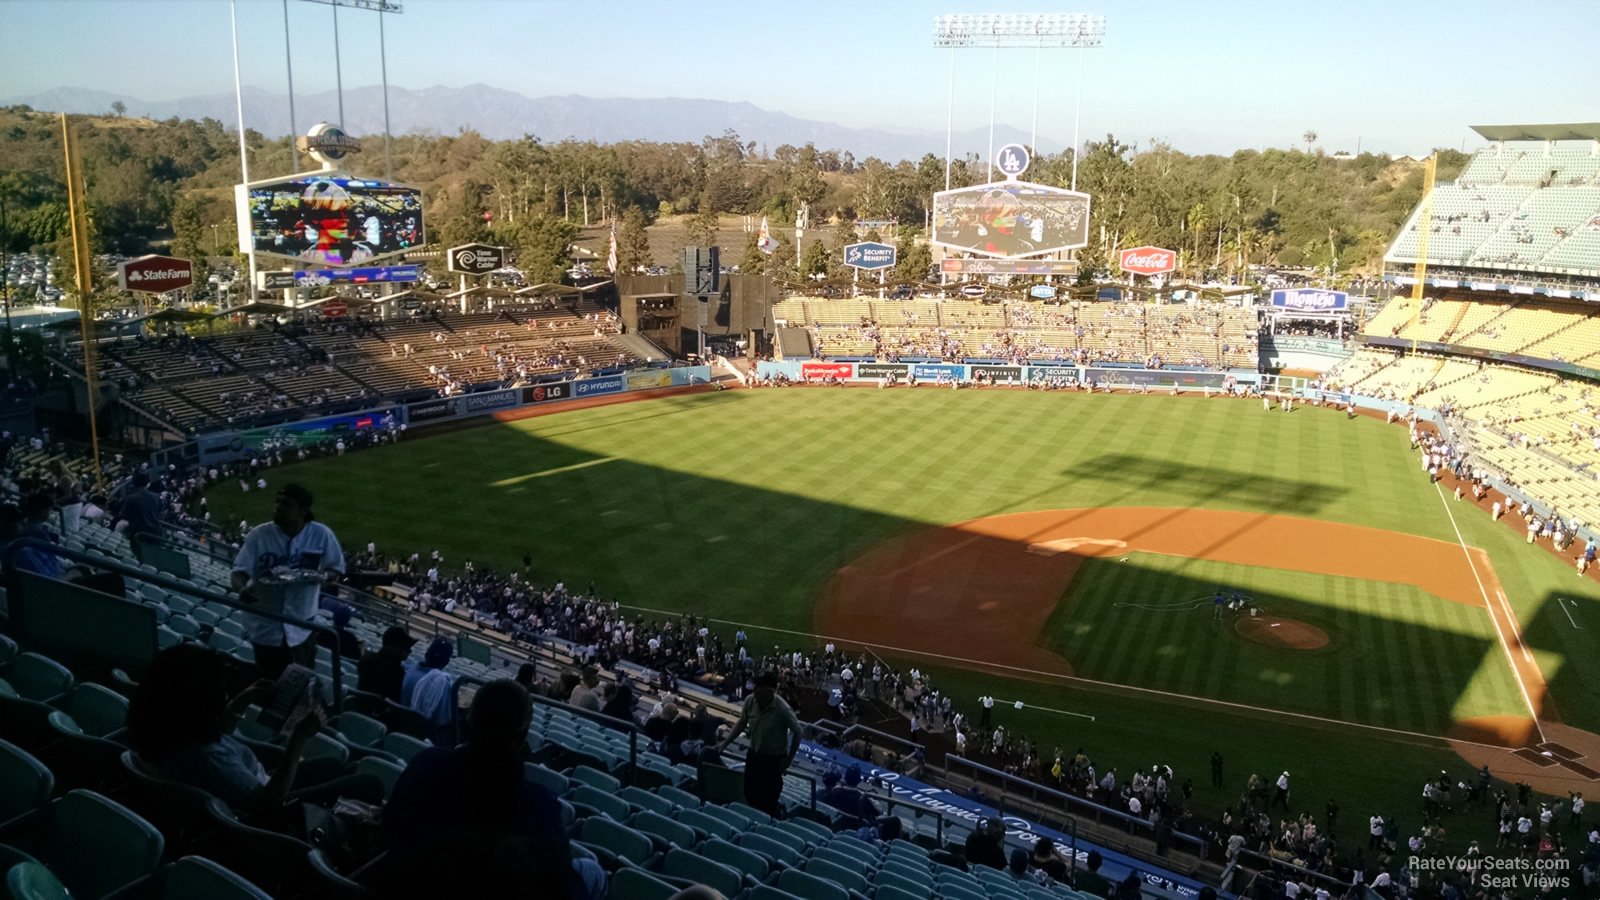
point(1578, 131)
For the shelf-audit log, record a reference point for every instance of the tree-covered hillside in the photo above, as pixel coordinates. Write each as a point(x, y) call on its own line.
point(168, 185)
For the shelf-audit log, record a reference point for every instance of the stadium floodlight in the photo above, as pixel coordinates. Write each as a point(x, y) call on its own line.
point(1019, 30)
point(1039, 31)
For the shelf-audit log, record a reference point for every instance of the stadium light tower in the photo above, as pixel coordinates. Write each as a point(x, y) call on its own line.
point(381, 7)
point(1011, 31)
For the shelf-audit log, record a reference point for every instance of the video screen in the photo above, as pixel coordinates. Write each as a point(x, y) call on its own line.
point(1010, 219)
point(334, 221)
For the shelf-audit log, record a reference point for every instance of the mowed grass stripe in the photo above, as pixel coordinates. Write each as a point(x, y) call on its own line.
point(1404, 679)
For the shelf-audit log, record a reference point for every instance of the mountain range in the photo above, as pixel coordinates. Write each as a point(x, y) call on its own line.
point(501, 114)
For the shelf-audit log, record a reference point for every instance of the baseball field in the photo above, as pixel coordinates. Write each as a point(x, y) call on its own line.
point(1061, 550)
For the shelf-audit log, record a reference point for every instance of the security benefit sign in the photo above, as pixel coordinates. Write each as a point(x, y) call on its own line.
point(1311, 300)
point(1011, 219)
point(869, 256)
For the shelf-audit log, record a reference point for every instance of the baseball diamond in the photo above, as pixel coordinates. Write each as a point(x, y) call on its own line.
point(990, 535)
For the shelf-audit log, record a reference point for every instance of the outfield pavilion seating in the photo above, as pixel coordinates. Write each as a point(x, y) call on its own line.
point(203, 382)
point(1101, 332)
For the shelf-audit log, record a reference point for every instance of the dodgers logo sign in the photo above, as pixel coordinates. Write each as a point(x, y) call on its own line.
point(1310, 299)
point(869, 255)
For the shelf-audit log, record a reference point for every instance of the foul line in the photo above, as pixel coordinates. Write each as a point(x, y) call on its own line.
point(1040, 673)
point(1516, 671)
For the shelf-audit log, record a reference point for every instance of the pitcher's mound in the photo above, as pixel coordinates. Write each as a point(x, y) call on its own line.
point(1290, 634)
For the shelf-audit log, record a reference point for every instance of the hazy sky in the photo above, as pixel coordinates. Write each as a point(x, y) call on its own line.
point(1399, 76)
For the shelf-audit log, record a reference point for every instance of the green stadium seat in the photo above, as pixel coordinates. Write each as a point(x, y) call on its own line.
point(8, 650)
point(894, 892)
point(25, 782)
point(619, 840)
point(403, 746)
point(836, 873)
point(853, 863)
point(32, 881)
point(755, 816)
point(363, 731)
point(776, 851)
point(322, 746)
point(636, 884)
point(198, 878)
point(591, 799)
point(556, 782)
point(734, 820)
point(177, 810)
point(85, 825)
point(749, 863)
point(889, 879)
point(384, 770)
point(795, 842)
point(851, 845)
point(38, 677)
point(82, 760)
point(334, 885)
point(639, 798)
point(815, 832)
point(705, 824)
point(674, 834)
point(685, 864)
point(767, 892)
point(274, 862)
point(810, 887)
point(595, 778)
point(679, 797)
point(99, 711)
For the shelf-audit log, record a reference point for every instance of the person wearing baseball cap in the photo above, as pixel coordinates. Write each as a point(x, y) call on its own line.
point(382, 671)
point(774, 740)
point(281, 569)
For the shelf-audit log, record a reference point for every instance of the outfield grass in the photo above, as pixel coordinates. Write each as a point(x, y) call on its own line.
point(1398, 657)
point(741, 504)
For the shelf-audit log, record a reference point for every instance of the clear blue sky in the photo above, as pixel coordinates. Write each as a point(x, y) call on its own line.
point(1399, 76)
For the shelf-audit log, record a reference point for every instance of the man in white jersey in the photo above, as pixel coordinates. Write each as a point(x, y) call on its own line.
point(281, 569)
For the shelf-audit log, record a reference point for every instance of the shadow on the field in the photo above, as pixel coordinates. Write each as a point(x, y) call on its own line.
point(1563, 633)
point(1133, 621)
point(1281, 496)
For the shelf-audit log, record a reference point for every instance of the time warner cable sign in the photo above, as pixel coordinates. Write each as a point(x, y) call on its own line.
point(1311, 300)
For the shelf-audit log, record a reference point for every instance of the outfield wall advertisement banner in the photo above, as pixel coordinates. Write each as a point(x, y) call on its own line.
point(655, 378)
point(906, 789)
point(428, 410)
point(878, 370)
point(935, 371)
point(589, 387)
point(313, 431)
point(1158, 377)
point(541, 393)
point(999, 373)
point(1040, 373)
point(472, 403)
point(810, 371)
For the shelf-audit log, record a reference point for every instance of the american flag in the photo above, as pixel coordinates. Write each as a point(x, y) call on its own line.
point(764, 241)
point(611, 255)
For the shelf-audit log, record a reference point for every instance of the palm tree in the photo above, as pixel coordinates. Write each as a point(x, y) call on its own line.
point(1310, 137)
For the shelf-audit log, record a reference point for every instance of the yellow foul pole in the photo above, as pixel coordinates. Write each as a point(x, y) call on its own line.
point(1424, 228)
point(78, 215)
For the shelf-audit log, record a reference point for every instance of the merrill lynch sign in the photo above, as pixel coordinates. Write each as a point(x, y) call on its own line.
point(1310, 299)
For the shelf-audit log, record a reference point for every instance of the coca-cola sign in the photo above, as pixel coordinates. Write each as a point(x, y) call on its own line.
point(1148, 261)
point(155, 274)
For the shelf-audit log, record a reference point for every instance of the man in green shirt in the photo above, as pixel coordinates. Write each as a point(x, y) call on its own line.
point(774, 740)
